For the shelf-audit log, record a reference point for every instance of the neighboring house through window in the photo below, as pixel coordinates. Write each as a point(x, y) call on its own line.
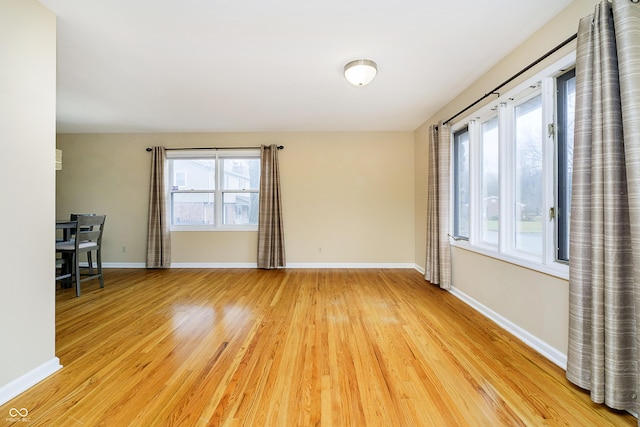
point(214, 189)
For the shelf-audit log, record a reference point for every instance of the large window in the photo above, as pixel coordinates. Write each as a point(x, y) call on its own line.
point(214, 190)
point(512, 172)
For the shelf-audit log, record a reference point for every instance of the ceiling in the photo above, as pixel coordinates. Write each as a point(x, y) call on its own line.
point(275, 65)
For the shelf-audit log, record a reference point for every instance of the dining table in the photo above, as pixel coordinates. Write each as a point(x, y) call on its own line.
point(67, 227)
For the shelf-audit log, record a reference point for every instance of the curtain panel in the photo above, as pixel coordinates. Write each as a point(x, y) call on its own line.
point(271, 253)
point(604, 277)
point(438, 263)
point(158, 231)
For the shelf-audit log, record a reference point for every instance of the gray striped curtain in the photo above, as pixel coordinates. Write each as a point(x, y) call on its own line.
point(271, 252)
point(158, 231)
point(438, 263)
point(604, 280)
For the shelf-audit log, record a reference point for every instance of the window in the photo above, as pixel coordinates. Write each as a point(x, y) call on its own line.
point(490, 182)
point(217, 190)
point(565, 115)
point(461, 183)
point(512, 172)
point(527, 207)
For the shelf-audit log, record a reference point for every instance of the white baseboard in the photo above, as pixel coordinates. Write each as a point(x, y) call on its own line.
point(531, 340)
point(254, 265)
point(31, 378)
point(213, 265)
point(349, 265)
point(120, 264)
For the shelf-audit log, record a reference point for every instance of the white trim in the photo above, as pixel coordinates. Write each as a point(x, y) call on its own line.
point(213, 265)
point(28, 380)
point(254, 265)
point(531, 340)
point(214, 228)
point(295, 265)
point(118, 265)
point(350, 265)
point(555, 269)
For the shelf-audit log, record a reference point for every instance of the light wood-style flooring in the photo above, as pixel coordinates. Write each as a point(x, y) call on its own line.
point(294, 347)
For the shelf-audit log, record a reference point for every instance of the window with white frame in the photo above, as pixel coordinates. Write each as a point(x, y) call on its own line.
point(565, 114)
point(512, 172)
point(461, 184)
point(214, 190)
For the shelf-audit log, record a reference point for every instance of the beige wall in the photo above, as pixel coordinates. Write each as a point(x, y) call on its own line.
point(348, 197)
point(533, 301)
point(27, 173)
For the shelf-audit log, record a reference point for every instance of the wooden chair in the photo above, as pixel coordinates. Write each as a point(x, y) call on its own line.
point(74, 217)
point(88, 239)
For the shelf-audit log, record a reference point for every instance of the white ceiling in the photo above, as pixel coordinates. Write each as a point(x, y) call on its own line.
point(275, 65)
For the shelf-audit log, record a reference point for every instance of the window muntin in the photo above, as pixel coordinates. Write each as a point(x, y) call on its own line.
point(519, 126)
point(214, 191)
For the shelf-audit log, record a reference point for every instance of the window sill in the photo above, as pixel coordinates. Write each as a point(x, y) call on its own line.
point(201, 228)
point(555, 269)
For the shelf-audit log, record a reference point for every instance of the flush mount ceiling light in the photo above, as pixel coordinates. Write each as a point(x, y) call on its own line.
point(360, 72)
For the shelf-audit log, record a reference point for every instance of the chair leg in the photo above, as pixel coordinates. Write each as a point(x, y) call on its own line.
point(90, 262)
point(99, 258)
point(67, 270)
point(76, 265)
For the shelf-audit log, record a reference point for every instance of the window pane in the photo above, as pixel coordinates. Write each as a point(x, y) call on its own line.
point(566, 116)
point(528, 188)
point(193, 174)
point(241, 174)
point(192, 208)
point(240, 208)
point(490, 182)
point(461, 183)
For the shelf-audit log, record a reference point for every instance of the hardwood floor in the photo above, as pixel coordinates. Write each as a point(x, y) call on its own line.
point(292, 348)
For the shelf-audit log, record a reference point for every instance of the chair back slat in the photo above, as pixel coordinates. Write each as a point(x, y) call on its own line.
point(90, 228)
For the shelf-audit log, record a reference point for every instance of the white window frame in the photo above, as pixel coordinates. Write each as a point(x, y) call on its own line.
point(219, 155)
point(542, 82)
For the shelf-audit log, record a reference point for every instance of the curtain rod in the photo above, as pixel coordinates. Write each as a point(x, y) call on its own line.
point(280, 147)
point(515, 76)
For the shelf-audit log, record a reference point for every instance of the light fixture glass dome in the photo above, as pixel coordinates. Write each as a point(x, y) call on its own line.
point(360, 72)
